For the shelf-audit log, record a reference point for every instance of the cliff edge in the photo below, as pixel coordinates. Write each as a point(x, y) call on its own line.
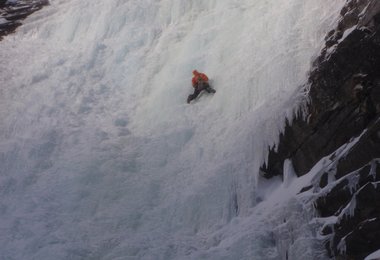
point(343, 124)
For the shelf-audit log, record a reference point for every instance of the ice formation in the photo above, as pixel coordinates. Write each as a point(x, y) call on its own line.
point(101, 157)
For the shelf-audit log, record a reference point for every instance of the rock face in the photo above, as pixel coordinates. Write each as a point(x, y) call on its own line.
point(354, 202)
point(344, 111)
point(13, 12)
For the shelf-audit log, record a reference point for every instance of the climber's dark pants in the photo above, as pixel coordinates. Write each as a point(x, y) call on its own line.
point(198, 89)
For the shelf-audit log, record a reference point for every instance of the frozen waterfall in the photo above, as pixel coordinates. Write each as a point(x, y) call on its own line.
point(101, 157)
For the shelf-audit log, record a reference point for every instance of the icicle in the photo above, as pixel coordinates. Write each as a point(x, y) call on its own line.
point(373, 169)
point(342, 246)
point(353, 182)
point(289, 173)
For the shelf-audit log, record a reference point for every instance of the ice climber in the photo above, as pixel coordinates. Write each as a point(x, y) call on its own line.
point(200, 83)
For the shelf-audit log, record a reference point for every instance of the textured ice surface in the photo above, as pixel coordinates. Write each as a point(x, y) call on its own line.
point(101, 158)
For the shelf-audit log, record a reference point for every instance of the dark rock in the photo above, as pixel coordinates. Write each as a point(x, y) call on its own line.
point(335, 200)
point(343, 123)
point(306, 188)
point(324, 180)
point(327, 230)
point(364, 239)
point(360, 232)
point(365, 149)
point(2, 3)
point(345, 100)
point(355, 200)
point(14, 13)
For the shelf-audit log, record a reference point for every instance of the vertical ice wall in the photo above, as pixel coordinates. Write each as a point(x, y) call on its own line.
point(100, 155)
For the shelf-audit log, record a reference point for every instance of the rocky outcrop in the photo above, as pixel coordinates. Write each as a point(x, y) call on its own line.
point(354, 202)
point(13, 12)
point(344, 108)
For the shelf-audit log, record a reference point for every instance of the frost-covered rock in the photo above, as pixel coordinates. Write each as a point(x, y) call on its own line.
point(354, 200)
point(344, 91)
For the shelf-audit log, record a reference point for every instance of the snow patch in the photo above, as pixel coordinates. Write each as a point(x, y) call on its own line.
point(3, 21)
point(373, 256)
point(347, 32)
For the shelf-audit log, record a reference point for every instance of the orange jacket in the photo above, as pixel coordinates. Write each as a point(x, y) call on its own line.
point(198, 77)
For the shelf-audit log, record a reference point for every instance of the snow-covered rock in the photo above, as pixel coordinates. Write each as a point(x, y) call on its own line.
point(342, 122)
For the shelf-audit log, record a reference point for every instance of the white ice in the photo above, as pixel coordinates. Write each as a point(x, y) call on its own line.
point(101, 157)
point(374, 256)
